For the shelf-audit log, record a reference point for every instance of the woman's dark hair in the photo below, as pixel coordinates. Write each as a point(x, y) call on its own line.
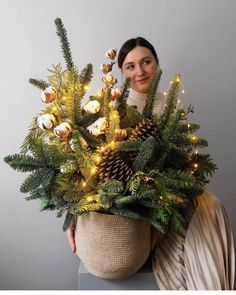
point(130, 45)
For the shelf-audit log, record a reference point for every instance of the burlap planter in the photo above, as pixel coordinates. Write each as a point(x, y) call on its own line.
point(110, 246)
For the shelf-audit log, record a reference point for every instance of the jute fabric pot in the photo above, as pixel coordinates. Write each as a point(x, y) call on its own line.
point(111, 246)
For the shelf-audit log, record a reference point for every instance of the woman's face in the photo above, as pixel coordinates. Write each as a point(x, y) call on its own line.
point(140, 66)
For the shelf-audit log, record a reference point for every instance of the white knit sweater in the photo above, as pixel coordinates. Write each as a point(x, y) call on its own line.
point(139, 99)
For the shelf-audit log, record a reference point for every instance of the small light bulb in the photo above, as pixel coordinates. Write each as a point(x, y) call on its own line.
point(178, 101)
point(93, 171)
point(54, 108)
point(98, 159)
point(189, 125)
point(84, 184)
point(85, 87)
point(165, 93)
point(196, 152)
point(64, 97)
point(195, 165)
point(182, 91)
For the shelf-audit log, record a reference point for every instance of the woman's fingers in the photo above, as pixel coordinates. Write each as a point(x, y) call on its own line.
point(70, 233)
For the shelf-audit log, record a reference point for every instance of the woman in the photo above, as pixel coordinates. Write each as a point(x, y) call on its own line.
point(202, 257)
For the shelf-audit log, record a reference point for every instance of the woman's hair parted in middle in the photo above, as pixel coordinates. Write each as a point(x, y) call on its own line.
point(130, 45)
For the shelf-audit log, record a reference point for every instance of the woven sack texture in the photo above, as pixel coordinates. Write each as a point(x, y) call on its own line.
point(111, 246)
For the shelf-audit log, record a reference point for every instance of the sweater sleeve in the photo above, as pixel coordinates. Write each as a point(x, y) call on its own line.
point(203, 257)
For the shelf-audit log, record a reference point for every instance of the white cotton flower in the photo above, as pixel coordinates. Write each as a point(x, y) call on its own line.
point(92, 107)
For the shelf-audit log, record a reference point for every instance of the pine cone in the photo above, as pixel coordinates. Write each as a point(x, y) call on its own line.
point(142, 131)
point(113, 166)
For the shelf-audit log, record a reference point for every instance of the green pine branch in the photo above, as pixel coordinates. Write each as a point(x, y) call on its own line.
point(42, 85)
point(148, 108)
point(86, 74)
point(24, 163)
point(145, 154)
point(65, 46)
point(170, 105)
point(40, 177)
point(123, 99)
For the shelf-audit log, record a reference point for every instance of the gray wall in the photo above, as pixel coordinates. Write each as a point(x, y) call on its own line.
point(195, 38)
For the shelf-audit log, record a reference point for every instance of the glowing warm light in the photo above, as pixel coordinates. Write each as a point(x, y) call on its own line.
point(112, 143)
point(171, 82)
point(89, 199)
point(165, 93)
point(195, 165)
point(84, 184)
point(102, 149)
point(189, 125)
point(98, 159)
point(64, 97)
point(54, 108)
point(99, 94)
point(85, 87)
point(183, 91)
point(110, 104)
point(196, 152)
point(93, 171)
point(194, 137)
point(178, 101)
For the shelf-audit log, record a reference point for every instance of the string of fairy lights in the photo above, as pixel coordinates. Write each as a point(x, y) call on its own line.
point(93, 106)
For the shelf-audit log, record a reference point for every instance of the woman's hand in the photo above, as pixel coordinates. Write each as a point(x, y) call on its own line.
point(70, 233)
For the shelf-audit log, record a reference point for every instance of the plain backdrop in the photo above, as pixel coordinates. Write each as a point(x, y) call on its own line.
point(196, 38)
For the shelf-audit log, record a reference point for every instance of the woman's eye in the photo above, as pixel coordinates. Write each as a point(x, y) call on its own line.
point(147, 62)
point(130, 67)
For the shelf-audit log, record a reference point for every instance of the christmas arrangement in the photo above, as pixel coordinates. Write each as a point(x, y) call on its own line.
point(105, 156)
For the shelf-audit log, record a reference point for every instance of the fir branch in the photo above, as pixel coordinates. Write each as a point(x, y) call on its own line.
point(24, 163)
point(188, 127)
point(148, 108)
point(145, 154)
point(112, 186)
point(177, 221)
point(37, 178)
point(65, 46)
point(170, 105)
point(79, 210)
point(87, 119)
point(113, 124)
point(123, 99)
point(42, 85)
point(86, 75)
point(128, 146)
point(56, 77)
point(125, 212)
point(132, 117)
point(89, 138)
point(168, 138)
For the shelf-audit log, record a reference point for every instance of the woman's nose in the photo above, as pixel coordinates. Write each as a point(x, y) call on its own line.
point(140, 70)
